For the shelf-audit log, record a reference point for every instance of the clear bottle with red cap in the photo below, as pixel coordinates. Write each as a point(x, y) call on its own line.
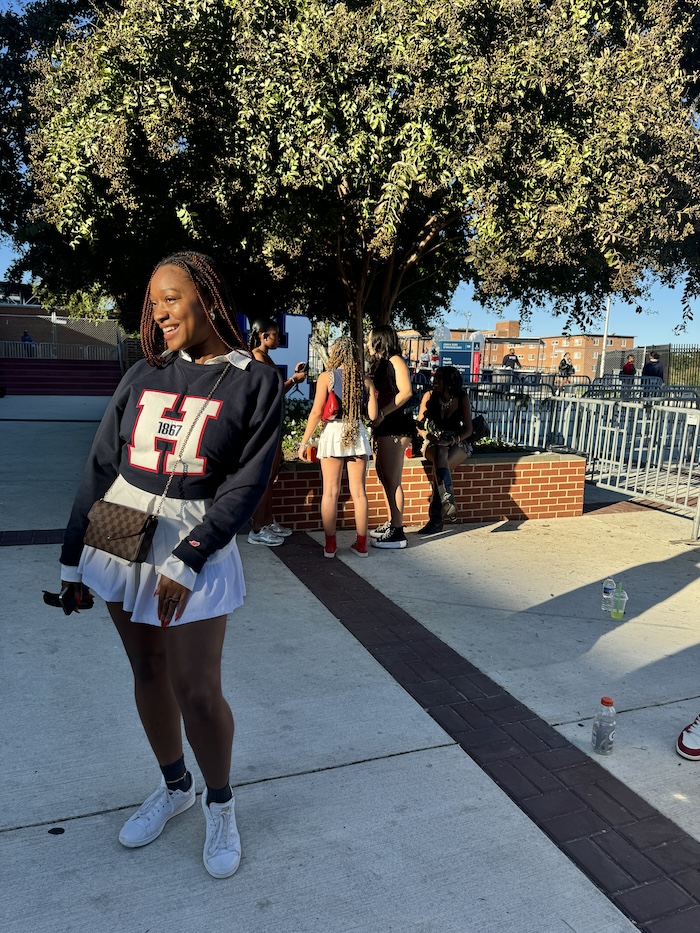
point(603, 734)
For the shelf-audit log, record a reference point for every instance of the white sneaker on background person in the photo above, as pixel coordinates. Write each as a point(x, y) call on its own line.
point(266, 537)
point(279, 530)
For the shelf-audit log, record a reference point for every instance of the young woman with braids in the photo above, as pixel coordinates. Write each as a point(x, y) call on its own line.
point(197, 408)
point(265, 336)
point(343, 442)
point(392, 430)
point(445, 420)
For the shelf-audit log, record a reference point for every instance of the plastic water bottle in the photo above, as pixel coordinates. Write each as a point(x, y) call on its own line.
point(603, 734)
point(608, 593)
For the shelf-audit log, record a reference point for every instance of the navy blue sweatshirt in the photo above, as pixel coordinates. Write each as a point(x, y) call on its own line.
point(229, 455)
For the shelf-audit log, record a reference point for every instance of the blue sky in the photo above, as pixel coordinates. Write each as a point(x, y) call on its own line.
point(654, 326)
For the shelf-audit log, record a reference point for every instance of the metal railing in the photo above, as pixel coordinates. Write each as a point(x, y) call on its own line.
point(647, 447)
point(15, 349)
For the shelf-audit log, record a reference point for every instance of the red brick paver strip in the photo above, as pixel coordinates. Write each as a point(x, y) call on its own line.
point(645, 864)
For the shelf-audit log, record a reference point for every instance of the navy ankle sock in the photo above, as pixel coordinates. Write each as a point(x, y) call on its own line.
point(220, 795)
point(177, 777)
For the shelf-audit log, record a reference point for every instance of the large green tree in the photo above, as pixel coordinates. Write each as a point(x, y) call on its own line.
point(363, 158)
point(29, 31)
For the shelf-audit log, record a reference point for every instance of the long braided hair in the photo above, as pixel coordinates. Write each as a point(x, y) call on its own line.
point(345, 356)
point(214, 296)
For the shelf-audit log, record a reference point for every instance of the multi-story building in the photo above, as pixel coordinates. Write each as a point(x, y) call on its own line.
point(542, 354)
point(585, 351)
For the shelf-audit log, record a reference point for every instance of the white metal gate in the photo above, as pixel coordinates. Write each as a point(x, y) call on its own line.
point(647, 448)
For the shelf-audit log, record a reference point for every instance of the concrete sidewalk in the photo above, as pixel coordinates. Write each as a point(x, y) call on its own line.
point(357, 811)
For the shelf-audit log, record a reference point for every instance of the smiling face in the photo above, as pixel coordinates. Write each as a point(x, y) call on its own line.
point(178, 312)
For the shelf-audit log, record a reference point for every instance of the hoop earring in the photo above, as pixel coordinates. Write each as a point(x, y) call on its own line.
point(212, 316)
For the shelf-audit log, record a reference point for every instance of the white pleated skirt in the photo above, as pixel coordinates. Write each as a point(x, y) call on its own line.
point(219, 587)
point(330, 443)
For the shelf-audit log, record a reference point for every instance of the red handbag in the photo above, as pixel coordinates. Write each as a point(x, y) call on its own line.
point(331, 407)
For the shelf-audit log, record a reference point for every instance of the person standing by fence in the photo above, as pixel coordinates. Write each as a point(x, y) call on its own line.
point(27, 342)
point(654, 366)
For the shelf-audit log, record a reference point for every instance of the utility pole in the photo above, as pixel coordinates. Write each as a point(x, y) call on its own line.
point(605, 337)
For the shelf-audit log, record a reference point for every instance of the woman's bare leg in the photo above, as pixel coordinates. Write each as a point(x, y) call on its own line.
point(263, 515)
point(332, 472)
point(357, 470)
point(194, 663)
point(155, 701)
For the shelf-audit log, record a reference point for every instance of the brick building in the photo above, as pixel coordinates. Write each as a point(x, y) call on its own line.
point(535, 353)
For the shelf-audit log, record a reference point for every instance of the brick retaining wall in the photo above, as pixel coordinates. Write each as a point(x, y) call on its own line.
point(487, 488)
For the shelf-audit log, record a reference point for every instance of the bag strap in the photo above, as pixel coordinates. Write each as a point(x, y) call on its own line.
point(187, 437)
point(331, 380)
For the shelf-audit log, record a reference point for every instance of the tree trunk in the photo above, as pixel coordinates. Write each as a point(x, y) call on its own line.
point(356, 319)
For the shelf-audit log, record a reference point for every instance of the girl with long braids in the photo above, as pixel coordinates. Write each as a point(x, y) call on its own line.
point(392, 430)
point(343, 442)
point(190, 434)
point(265, 336)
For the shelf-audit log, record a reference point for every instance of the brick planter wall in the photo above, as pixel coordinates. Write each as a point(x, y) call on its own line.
point(487, 488)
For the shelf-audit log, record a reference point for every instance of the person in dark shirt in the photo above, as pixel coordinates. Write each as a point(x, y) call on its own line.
point(511, 360)
point(199, 414)
point(653, 367)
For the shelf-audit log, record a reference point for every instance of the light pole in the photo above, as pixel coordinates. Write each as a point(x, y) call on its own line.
point(605, 337)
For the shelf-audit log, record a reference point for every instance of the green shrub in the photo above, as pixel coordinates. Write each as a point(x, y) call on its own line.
point(296, 413)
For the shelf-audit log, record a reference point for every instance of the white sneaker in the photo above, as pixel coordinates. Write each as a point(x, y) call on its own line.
point(149, 820)
point(264, 536)
point(222, 846)
point(688, 744)
point(279, 530)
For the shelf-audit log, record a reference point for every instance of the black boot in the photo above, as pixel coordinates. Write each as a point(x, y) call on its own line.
point(434, 515)
point(447, 498)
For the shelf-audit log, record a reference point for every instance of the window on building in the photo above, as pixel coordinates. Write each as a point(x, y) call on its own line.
point(555, 343)
point(577, 342)
point(565, 343)
point(577, 355)
point(596, 341)
point(595, 356)
point(531, 356)
point(623, 343)
point(610, 341)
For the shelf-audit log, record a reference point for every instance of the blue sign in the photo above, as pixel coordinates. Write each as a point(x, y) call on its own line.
point(458, 353)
